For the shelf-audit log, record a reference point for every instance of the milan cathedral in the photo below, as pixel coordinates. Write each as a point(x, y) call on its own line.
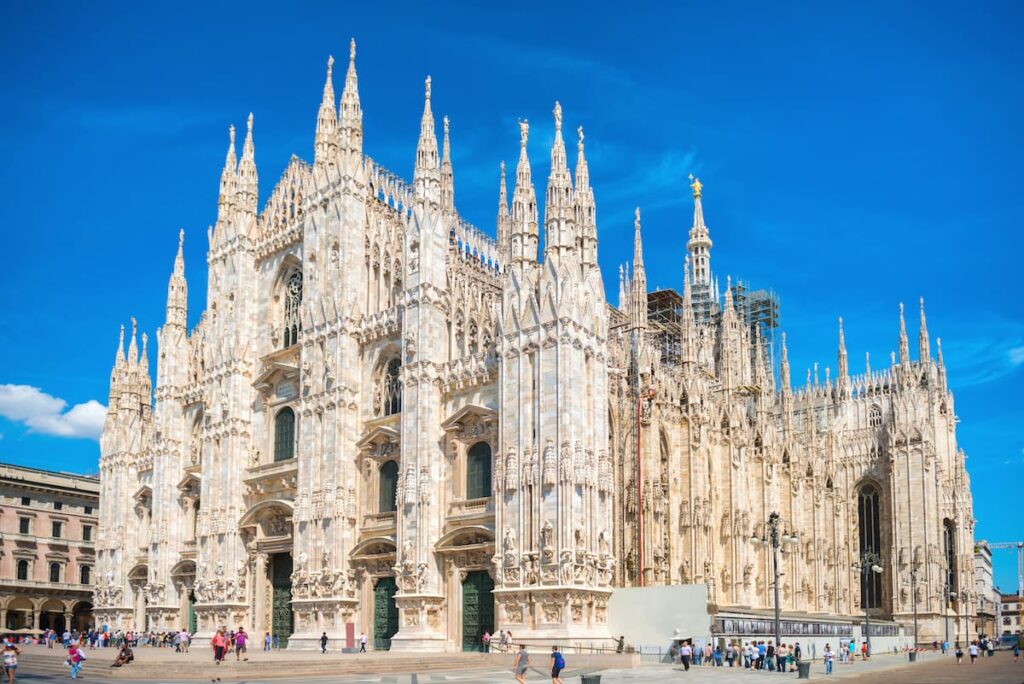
point(386, 418)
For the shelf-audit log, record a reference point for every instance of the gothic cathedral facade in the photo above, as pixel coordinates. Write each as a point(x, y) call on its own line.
point(386, 418)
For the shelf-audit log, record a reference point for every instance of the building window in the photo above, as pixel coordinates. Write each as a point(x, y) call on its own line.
point(875, 416)
point(58, 505)
point(478, 471)
point(55, 572)
point(292, 300)
point(869, 522)
point(57, 529)
point(87, 510)
point(25, 525)
point(23, 569)
point(26, 501)
point(84, 574)
point(949, 543)
point(388, 491)
point(284, 435)
point(388, 388)
point(86, 532)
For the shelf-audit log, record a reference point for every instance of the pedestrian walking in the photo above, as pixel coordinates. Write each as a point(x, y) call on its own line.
point(781, 653)
point(266, 641)
point(323, 643)
point(522, 661)
point(11, 652)
point(958, 653)
point(557, 665)
point(685, 653)
point(972, 650)
point(852, 655)
point(829, 656)
point(241, 644)
point(217, 642)
point(362, 642)
point(75, 659)
point(486, 639)
point(1016, 651)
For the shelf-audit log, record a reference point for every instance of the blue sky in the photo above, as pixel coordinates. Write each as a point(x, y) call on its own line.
point(854, 155)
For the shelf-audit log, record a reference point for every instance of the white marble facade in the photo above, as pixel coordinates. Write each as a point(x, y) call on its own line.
point(378, 393)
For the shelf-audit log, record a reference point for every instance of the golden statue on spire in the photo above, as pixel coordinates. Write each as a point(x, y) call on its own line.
point(695, 185)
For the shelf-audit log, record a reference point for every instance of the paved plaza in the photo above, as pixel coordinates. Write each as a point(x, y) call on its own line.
point(42, 665)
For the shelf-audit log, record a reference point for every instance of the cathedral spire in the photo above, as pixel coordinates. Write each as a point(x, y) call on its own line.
point(843, 380)
point(583, 201)
point(144, 355)
point(524, 205)
point(177, 288)
point(119, 356)
point(940, 362)
point(559, 234)
point(325, 146)
point(904, 343)
point(923, 348)
point(504, 218)
point(867, 364)
point(248, 180)
point(133, 348)
point(350, 130)
point(228, 178)
point(784, 367)
point(699, 244)
point(447, 177)
point(638, 287)
point(427, 176)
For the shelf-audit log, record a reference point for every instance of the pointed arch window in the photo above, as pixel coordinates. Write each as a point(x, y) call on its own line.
point(875, 416)
point(292, 300)
point(478, 471)
point(388, 489)
point(869, 528)
point(284, 435)
point(388, 390)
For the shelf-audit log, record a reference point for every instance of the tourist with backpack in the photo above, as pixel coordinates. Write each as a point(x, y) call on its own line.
point(557, 665)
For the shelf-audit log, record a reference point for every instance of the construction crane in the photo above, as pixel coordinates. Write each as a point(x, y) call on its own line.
point(1020, 562)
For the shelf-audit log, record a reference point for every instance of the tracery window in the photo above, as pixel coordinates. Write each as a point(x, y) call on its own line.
point(284, 435)
point(388, 388)
point(292, 300)
point(478, 471)
point(869, 527)
point(949, 550)
point(388, 490)
point(875, 416)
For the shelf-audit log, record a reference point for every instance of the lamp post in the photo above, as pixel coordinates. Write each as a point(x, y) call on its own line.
point(913, 598)
point(772, 537)
point(869, 563)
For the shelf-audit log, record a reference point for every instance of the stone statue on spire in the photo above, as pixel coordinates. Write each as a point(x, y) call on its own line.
point(524, 131)
point(696, 185)
point(558, 116)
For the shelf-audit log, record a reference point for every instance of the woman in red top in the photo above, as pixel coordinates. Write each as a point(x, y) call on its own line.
point(217, 642)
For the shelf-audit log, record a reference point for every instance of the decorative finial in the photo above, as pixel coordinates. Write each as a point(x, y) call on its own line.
point(352, 50)
point(636, 218)
point(248, 122)
point(134, 326)
point(579, 134)
point(446, 125)
point(231, 134)
point(524, 131)
point(558, 116)
point(330, 65)
point(695, 185)
point(427, 84)
point(502, 166)
point(181, 238)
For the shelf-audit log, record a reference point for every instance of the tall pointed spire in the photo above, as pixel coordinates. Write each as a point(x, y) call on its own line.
point(699, 244)
point(119, 356)
point(177, 289)
point(350, 129)
point(583, 201)
point(784, 367)
point(843, 380)
point(447, 176)
point(524, 205)
point(427, 175)
point(228, 178)
point(904, 343)
point(133, 347)
point(940, 362)
point(867, 364)
point(559, 234)
point(144, 354)
point(622, 289)
point(325, 145)
point(504, 218)
point(248, 180)
point(638, 288)
point(923, 348)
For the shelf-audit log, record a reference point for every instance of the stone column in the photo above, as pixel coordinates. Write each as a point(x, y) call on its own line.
point(259, 621)
point(67, 621)
point(3, 619)
point(35, 619)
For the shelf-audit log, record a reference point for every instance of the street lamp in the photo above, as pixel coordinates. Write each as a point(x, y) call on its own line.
point(913, 598)
point(772, 537)
point(869, 563)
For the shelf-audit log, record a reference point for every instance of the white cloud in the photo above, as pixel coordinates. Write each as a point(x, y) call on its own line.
point(45, 414)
